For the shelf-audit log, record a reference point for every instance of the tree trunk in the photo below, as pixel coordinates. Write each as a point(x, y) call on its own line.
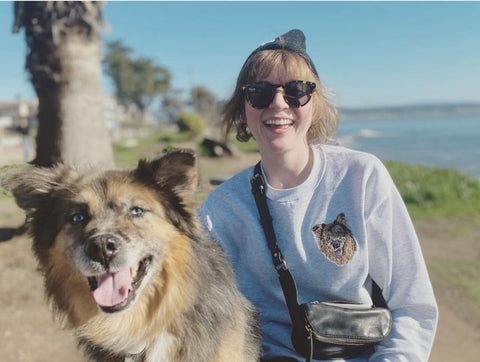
point(65, 66)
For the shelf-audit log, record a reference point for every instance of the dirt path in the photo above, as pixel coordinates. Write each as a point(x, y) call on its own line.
point(458, 336)
point(28, 333)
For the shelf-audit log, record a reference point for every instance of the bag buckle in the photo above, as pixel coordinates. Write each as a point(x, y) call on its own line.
point(279, 263)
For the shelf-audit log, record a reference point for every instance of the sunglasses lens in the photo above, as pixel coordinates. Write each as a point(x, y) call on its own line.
point(296, 93)
point(260, 94)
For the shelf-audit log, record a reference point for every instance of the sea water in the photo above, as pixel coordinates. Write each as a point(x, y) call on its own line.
point(441, 142)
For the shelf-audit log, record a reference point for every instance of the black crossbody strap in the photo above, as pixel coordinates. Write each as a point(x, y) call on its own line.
point(286, 279)
point(377, 296)
point(258, 190)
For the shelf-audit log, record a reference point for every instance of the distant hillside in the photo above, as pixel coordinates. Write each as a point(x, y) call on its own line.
point(411, 111)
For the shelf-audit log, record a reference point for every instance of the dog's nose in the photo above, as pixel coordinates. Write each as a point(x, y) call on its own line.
point(102, 248)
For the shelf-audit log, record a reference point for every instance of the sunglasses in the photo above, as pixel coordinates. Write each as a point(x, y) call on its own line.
point(296, 93)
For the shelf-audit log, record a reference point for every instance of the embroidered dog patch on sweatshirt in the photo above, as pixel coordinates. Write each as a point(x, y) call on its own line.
point(336, 240)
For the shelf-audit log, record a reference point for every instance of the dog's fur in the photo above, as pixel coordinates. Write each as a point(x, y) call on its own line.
point(179, 301)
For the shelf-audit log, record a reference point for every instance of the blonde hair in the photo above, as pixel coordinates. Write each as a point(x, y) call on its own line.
point(259, 65)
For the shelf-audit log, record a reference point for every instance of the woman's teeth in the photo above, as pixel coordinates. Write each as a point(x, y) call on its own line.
point(278, 122)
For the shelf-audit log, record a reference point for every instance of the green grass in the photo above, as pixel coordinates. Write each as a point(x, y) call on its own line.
point(176, 137)
point(436, 192)
point(4, 195)
point(155, 143)
point(128, 156)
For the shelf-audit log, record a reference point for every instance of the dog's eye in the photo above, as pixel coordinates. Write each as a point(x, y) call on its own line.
point(136, 211)
point(77, 218)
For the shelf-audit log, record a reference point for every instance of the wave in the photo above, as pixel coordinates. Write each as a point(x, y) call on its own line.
point(369, 133)
point(350, 139)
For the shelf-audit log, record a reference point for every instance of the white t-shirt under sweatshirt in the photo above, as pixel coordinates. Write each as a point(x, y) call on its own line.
point(344, 224)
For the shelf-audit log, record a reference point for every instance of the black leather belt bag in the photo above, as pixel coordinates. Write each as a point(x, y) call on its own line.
point(326, 330)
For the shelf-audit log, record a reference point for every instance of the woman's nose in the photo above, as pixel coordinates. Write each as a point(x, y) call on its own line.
point(278, 100)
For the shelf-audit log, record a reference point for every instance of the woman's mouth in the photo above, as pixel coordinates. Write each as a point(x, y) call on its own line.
point(274, 123)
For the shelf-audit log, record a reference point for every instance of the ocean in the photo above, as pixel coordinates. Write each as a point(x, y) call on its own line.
point(441, 142)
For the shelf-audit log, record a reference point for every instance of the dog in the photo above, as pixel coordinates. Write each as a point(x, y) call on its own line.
point(127, 265)
point(336, 240)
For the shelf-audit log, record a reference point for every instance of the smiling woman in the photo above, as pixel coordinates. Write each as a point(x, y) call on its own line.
point(326, 213)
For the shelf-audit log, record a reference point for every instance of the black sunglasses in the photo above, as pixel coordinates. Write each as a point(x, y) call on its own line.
point(296, 93)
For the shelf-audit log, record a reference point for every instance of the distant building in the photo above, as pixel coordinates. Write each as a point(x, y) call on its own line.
point(14, 114)
point(11, 112)
point(113, 112)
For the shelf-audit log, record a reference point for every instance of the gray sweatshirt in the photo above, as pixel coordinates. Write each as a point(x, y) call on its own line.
point(344, 225)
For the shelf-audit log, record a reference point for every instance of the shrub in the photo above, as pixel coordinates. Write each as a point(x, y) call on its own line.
point(191, 123)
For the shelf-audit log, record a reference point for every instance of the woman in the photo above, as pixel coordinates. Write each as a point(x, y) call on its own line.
point(313, 186)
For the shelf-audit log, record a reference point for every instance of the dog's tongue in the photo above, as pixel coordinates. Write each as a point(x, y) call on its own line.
point(113, 288)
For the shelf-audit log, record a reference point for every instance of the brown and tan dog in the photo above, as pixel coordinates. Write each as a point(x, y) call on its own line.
point(126, 263)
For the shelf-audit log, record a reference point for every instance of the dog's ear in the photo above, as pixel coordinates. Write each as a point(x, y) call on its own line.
point(30, 185)
point(176, 171)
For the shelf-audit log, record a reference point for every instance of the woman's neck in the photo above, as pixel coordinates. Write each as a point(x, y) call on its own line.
point(288, 170)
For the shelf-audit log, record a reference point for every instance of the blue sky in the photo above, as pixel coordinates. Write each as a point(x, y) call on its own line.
point(367, 53)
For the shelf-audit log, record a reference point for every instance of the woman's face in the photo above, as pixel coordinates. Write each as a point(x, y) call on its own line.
point(279, 128)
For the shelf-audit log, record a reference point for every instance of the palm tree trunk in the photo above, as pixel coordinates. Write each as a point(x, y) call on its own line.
point(64, 61)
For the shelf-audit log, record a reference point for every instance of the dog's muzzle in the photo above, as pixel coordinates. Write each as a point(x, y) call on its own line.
point(115, 288)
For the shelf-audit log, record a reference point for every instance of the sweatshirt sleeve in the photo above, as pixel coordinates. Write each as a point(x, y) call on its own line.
point(397, 265)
